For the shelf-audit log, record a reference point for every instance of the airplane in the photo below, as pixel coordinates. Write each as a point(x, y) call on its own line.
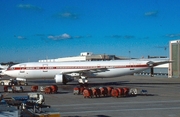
point(64, 72)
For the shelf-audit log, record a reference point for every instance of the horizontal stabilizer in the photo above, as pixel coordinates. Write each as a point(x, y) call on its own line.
point(158, 62)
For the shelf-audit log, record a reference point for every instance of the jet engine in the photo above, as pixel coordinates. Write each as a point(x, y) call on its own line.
point(60, 78)
point(150, 64)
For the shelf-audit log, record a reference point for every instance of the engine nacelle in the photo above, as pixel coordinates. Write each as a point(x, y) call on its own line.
point(150, 64)
point(60, 78)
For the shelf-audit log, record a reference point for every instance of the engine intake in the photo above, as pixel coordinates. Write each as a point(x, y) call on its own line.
point(60, 78)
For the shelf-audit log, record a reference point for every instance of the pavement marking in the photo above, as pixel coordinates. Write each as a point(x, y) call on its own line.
point(145, 102)
point(121, 110)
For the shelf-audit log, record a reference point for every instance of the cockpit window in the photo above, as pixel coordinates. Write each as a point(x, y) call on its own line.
point(12, 68)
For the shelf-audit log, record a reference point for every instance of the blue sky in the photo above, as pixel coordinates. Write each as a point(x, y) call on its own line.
point(40, 29)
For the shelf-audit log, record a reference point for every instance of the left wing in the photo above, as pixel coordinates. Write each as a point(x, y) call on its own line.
point(85, 70)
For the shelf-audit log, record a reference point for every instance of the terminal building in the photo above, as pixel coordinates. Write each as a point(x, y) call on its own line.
point(174, 67)
point(86, 56)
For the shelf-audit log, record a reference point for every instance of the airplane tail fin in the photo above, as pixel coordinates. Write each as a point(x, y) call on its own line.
point(3, 68)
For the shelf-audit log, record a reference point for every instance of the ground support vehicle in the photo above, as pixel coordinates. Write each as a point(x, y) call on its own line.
point(13, 82)
point(8, 82)
point(12, 89)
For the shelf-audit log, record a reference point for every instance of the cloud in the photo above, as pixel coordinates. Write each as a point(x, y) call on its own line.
point(128, 37)
point(151, 13)
point(116, 36)
point(67, 36)
point(79, 37)
point(173, 35)
point(29, 7)
point(20, 37)
point(144, 38)
point(66, 15)
point(88, 36)
point(122, 37)
point(60, 37)
point(40, 35)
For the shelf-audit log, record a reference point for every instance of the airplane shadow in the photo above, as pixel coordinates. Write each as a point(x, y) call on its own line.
point(42, 81)
point(62, 92)
point(116, 83)
point(88, 116)
point(147, 95)
point(127, 83)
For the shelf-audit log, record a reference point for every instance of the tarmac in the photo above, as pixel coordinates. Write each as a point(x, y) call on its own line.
point(162, 99)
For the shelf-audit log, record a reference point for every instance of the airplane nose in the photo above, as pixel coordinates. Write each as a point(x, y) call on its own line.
point(2, 72)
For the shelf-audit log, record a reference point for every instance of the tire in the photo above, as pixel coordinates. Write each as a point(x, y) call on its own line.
point(22, 89)
point(2, 83)
point(64, 83)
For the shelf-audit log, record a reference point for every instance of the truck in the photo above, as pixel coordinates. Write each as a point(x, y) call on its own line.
point(8, 82)
point(21, 81)
point(13, 82)
point(13, 89)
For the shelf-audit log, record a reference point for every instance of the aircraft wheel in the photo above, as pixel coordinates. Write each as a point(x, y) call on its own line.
point(64, 83)
point(26, 84)
point(10, 83)
point(2, 83)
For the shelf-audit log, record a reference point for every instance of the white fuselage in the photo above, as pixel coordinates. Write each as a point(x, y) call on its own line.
point(95, 69)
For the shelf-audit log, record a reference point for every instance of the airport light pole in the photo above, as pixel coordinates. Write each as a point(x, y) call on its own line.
point(129, 54)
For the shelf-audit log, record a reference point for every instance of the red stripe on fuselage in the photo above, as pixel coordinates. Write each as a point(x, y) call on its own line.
point(75, 67)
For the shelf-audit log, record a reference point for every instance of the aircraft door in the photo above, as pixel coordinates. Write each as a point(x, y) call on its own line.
point(22, 68)
point(45, 67)
point(22, 71)
point(98, 66)
point(131, 66)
